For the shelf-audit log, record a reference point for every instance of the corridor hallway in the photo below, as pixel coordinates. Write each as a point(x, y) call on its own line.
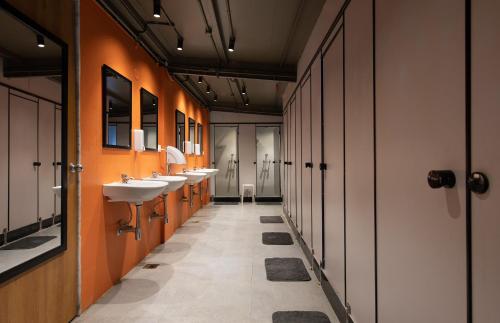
point(212, 270)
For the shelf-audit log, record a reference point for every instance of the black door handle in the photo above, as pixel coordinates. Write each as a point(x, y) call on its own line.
point(309, 165)
point(56, 164)
point(478, 183)
point(255, 163)
point(37, 164)
point(441, 178)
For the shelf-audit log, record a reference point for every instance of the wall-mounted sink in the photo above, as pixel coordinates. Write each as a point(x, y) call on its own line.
point(134, 191)
point(174, 182)
point(193, 178)
point(209, 171)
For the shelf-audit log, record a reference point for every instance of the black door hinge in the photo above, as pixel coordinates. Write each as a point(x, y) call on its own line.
point(322, 166)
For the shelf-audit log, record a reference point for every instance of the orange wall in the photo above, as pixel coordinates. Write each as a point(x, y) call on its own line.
point(105, 257)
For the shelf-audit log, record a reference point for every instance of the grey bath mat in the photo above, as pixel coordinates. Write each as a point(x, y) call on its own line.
point(277, 238)
point(286, 269)
point(28, 243)
point(271, 219)
point(300, 317)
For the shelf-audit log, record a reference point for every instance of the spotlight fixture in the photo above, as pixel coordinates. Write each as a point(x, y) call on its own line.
point(200, 79)
point(244, 90)
point(231, 44)
point(215, 97)
point(156, 8)
point(40, 41)
point(247, 102)
point(180, 43)
point(208, 89)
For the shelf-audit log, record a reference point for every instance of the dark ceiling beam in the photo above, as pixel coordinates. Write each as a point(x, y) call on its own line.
point(220, 29)
point(291, 33)
point(199, 92)
point(27, 68)
point(184, 84)
point(265, 110)
point(284, 75)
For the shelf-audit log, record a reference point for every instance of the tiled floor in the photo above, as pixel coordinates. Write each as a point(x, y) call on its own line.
point(211, 270)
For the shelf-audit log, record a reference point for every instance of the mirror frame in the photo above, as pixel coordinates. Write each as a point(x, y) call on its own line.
point(41, 258)
point(181, 147)
point(104, 69)
point(199, 137)
point(144, 92)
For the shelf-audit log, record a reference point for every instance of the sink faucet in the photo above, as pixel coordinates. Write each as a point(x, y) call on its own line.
point(155, 174)
point(126, 178)
point(184, 170)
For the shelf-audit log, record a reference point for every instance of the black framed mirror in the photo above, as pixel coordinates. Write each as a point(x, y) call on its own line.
point(33, 140)
point(180, 130)
point(192, 131)
point(200, 138)
point(116, 109)
point(149, 119)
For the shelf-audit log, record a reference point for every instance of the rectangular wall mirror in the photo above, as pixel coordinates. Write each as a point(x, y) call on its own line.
point(149, 119)
point(33, 114)
point(200, 138)
point(192, 130)
point(116, 109)
point(180, 130)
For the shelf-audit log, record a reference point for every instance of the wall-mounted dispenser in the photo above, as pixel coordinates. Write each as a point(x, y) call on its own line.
point(197, 149)
point(139, 140)
point(188, 148)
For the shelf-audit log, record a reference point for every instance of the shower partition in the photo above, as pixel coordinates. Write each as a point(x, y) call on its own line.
point(226, 160)
point(268, 163)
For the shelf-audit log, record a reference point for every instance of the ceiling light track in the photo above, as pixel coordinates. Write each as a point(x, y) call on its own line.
point(215, 8)
point(208, 30)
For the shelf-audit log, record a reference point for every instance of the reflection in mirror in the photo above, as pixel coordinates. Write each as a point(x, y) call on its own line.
point(117, 109)
point(180, 122)
point(32, 140)
point(200, 137)
point(192, 138)
point(149, 119)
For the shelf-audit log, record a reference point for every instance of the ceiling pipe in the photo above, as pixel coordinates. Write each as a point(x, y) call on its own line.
point(220, 29)
point(208, 29)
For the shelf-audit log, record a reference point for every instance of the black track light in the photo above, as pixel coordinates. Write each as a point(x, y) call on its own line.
point(247, 102)
point(231, 44)
point(156, 8)
point(40, 41)
point(215, 97)
point(200, 79)
point(180, 43)
point(208, 89)
point(244, 90)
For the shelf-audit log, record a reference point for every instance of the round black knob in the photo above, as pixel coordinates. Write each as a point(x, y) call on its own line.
point(478, 183)
point(441, 178)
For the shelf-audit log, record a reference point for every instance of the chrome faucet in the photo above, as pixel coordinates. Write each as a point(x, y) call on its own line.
point(155, 174)
point(126, 178)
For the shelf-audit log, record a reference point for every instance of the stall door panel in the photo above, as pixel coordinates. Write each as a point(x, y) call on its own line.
point(306, 158)
point(333, 113)
point(359, 162)
point(226, 160)
point(268, 141)
point(298, 161)
point(46, 174)
point(293, 177)
point(282, 162)
point(4, 162)
point(316, 201)
point(420, 126)
point(58, 156)
point(23, 153)
point(485, 159)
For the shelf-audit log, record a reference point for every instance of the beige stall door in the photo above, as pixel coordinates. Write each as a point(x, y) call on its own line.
point(420, 126)
point(485, 129)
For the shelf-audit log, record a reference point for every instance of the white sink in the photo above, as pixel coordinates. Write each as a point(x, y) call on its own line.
point(134, 191)
point(57, 190)
point(193, 177)
point(209, 171)
point(174, 182)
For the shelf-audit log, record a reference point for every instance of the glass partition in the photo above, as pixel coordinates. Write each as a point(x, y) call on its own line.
point(268, 164)
point(226, 160)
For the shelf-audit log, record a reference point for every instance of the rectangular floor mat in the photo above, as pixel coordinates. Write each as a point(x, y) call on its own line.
point(286, 269)
point(276, 238)
point(28, 243)
point(300, 317)
point(271, 219)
